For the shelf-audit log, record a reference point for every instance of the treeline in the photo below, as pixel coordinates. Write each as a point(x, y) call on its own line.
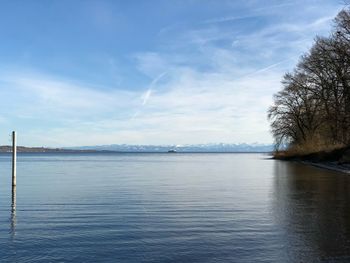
point(312, 111)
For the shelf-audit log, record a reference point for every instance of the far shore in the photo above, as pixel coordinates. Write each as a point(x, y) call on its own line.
point(23, 149)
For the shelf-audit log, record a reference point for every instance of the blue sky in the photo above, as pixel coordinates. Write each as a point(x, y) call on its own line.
point(148, 72)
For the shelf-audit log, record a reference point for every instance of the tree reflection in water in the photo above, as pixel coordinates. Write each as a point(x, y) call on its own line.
point(312, 208)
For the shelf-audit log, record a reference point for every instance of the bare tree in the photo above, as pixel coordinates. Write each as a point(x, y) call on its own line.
point(314, 103)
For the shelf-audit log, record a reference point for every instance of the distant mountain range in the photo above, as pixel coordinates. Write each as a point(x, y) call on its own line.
point(212, 147)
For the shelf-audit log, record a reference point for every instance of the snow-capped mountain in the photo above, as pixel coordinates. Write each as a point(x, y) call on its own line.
point(211, 147)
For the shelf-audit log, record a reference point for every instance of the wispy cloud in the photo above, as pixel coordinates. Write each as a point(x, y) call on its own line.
point(148, 93)
point(208, 81)
point(146, 96)
point(227, 19)
point(192, 108)
point(45, 98)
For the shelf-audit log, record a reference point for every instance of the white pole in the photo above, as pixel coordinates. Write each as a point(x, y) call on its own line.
point(14, 158)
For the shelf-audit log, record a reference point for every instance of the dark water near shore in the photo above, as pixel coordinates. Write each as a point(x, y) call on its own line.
point(172, 208)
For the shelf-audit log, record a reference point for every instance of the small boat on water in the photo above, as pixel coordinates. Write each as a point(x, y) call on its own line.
point(172, 151)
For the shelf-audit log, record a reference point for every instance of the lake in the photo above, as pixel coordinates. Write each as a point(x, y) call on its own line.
point(172, 208)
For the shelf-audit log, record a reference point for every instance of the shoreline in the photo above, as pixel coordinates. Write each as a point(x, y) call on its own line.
point(331, 166)
point(337, 160)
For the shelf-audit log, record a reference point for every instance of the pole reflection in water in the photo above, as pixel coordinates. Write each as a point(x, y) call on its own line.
point(13, 212)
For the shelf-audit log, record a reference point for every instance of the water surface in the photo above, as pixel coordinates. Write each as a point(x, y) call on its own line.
point(172, 208)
